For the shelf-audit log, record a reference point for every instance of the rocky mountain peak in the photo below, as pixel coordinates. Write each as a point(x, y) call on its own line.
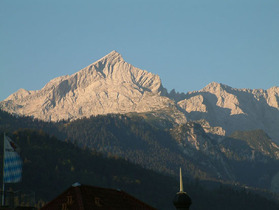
point(21, 93)
point(111, 58)
point(274, 89)
point(216, 87)
point(109, 85)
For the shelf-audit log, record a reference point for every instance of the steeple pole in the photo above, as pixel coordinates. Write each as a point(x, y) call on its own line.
point(181, 182)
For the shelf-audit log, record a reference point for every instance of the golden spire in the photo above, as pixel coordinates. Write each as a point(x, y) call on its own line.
point(181, 182)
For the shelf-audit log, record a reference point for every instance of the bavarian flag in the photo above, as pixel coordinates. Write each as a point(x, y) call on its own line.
point(12, 161)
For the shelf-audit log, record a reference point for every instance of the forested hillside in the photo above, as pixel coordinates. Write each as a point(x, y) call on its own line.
point(115, 135)
point(238, 159)
point(51, 166)
point(135, 138)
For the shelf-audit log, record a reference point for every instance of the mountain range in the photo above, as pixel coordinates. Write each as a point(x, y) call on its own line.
point(111, 85)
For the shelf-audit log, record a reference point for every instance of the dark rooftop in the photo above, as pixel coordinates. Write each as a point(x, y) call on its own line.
point(83, 197)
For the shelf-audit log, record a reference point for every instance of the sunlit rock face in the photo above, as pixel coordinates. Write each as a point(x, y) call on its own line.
point(109, 85)
point(235, 109)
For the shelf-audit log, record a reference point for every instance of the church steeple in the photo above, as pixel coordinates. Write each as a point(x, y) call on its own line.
point(182, 201)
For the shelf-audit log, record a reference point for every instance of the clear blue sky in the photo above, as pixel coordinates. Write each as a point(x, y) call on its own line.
point(188, 43)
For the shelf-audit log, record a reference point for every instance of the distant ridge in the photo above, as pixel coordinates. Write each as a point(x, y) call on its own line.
point(235, 109)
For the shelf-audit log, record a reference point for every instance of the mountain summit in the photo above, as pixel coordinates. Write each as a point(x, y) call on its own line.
point(109, 85)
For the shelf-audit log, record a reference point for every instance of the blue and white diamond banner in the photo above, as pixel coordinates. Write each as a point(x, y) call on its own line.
point(12, 162)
